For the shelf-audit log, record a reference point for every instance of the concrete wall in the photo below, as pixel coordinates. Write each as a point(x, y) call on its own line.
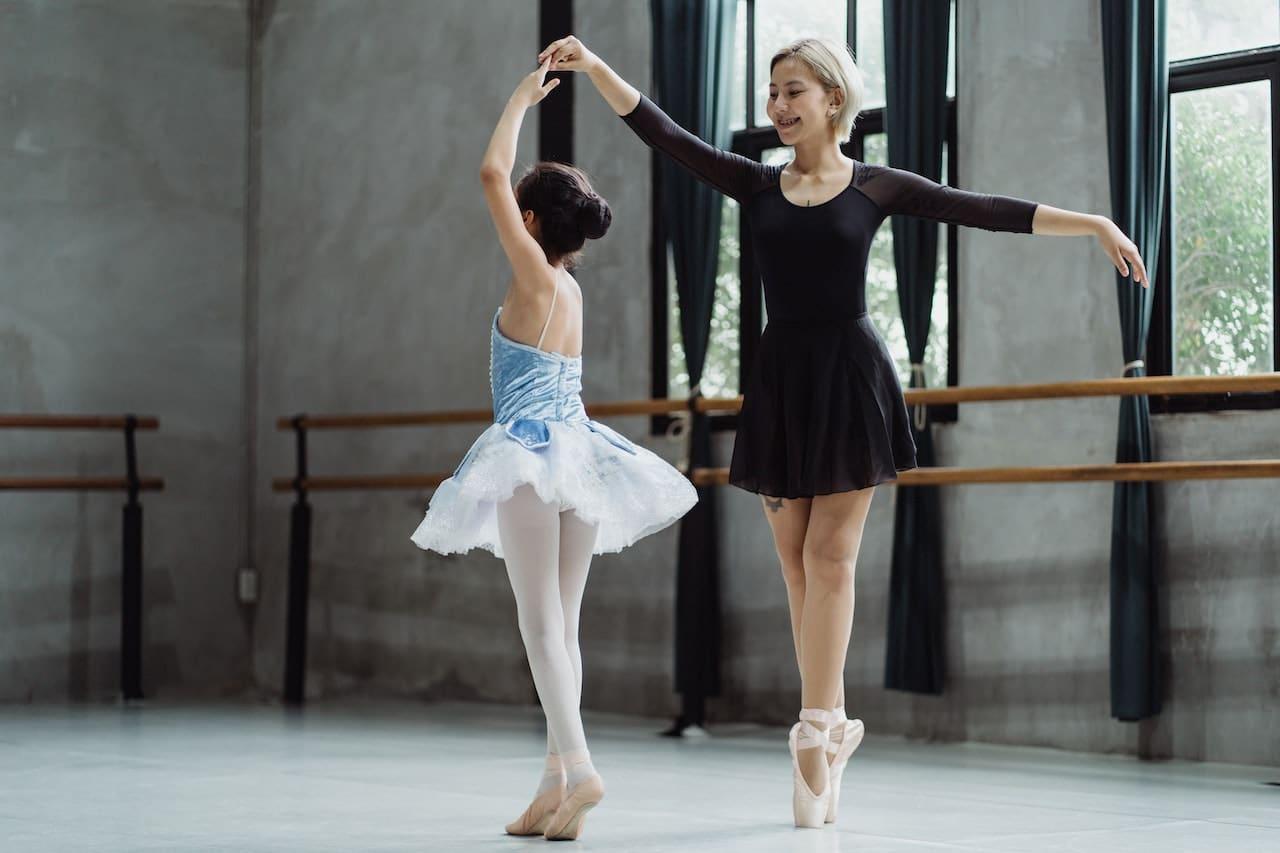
point(371, 285)
point(121, 259)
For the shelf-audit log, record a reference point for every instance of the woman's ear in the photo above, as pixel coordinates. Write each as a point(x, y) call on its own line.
point(835, 100)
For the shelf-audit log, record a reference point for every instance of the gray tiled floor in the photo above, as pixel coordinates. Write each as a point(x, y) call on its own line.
point(366, 776)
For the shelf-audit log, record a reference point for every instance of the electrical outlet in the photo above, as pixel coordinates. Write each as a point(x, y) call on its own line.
point(247, 586)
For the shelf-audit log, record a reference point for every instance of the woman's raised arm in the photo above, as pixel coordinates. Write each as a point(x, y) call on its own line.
point(731, 174)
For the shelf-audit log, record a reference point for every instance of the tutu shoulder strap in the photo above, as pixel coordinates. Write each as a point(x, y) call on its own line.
point(546, 325)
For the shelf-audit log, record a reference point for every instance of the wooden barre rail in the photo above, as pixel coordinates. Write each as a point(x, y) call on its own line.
point(78, 484)
point(1116, 472)
point(1137, 386)
point(304, 482)
point(111, 422)
point(1126, 472)
point(1155, 386)
point(131, 528)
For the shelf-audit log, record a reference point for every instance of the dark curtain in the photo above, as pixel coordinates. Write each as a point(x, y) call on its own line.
point(692, 49)
point(916, 44)
point(1137, 87)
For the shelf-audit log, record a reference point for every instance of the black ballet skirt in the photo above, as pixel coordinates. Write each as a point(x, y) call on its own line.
point(822, 411)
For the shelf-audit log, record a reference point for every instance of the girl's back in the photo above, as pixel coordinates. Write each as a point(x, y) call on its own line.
point(550, 313)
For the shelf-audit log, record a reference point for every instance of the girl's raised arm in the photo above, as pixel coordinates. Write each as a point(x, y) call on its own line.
point(527, 258)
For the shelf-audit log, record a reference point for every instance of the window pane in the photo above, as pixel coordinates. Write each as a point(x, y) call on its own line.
point(1206, 27)
point(951, 56)
point(677, 375)
point(869, 51)
point(720, 372)
point(882, 290)
point(1223, 294)
point(780, 22)
point(720, 375)
point(738, 80)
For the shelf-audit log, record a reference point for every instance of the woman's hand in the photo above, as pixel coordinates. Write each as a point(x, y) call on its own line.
point(1121, 250)
point(1068, 223)
point(569, 54)
point(533, 87)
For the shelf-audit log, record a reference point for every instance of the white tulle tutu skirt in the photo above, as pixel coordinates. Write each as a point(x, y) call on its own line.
point(583, 466)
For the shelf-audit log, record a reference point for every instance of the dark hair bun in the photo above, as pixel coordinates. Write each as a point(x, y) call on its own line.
point(568, 210)
point(594, 216)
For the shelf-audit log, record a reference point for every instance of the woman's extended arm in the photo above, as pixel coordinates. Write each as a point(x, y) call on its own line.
point(731, 174)
point(901, 191)
point(1120, 249)
point(570, 54)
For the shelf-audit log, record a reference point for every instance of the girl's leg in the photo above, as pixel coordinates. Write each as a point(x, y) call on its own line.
point(577, 540)
point(830, 550)
point(530, 532)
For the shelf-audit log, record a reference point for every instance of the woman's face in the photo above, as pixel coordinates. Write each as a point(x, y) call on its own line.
point(798, 105)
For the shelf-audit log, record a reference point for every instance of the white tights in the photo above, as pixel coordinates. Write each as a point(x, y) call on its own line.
point(548, 553)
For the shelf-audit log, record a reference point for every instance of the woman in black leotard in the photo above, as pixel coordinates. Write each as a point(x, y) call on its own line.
point(823, 419)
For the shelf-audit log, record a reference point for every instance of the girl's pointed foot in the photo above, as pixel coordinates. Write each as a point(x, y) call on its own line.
point(566, 823)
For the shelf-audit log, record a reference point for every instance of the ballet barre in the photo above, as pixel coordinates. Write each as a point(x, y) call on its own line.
point(303, 482)
point(1149, 386)
point(132, 484)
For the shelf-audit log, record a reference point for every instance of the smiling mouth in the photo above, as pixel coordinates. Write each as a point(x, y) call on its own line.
point(789, 122)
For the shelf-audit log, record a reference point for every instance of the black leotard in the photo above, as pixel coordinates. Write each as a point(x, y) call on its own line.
point(822, 411)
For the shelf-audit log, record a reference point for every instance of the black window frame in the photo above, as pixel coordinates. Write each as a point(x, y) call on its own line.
point(1198, 74)
point(752, 142)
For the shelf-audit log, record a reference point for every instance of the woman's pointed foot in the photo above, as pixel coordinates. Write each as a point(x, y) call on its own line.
point(808, 808)
point(851, 737)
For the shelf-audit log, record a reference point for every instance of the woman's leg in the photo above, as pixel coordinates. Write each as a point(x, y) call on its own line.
point(788, 519)
point(830, 551)
point(530, 532)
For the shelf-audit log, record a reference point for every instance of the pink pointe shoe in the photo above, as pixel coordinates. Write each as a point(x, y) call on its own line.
point(537, 816)
point(566, 823)
point(808, 808)
point(852, 737)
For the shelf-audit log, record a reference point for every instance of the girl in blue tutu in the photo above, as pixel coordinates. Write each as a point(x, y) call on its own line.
point(545, 487)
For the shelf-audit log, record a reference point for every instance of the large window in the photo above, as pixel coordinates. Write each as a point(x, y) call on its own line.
point(738, 313)
point(1215, 302)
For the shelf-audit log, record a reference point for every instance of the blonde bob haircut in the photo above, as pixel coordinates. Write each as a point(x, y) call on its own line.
point(832, 63)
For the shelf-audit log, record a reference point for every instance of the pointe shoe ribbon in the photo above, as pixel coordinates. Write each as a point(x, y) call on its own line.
point(566, 823)
point(537, 816)
point(808, 808)
point(842, 751)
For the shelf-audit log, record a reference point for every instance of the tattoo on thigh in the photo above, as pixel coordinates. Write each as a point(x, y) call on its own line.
point(774, 504)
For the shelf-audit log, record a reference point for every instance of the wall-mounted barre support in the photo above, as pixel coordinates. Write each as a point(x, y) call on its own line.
point(295, 658)
point(131, 579)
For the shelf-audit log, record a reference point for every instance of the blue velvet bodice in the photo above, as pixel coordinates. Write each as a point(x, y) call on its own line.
point(532, 388)
point(531, 383)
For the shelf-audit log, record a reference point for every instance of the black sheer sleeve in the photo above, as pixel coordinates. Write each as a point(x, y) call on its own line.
point(900, 191)
point(732, 174)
